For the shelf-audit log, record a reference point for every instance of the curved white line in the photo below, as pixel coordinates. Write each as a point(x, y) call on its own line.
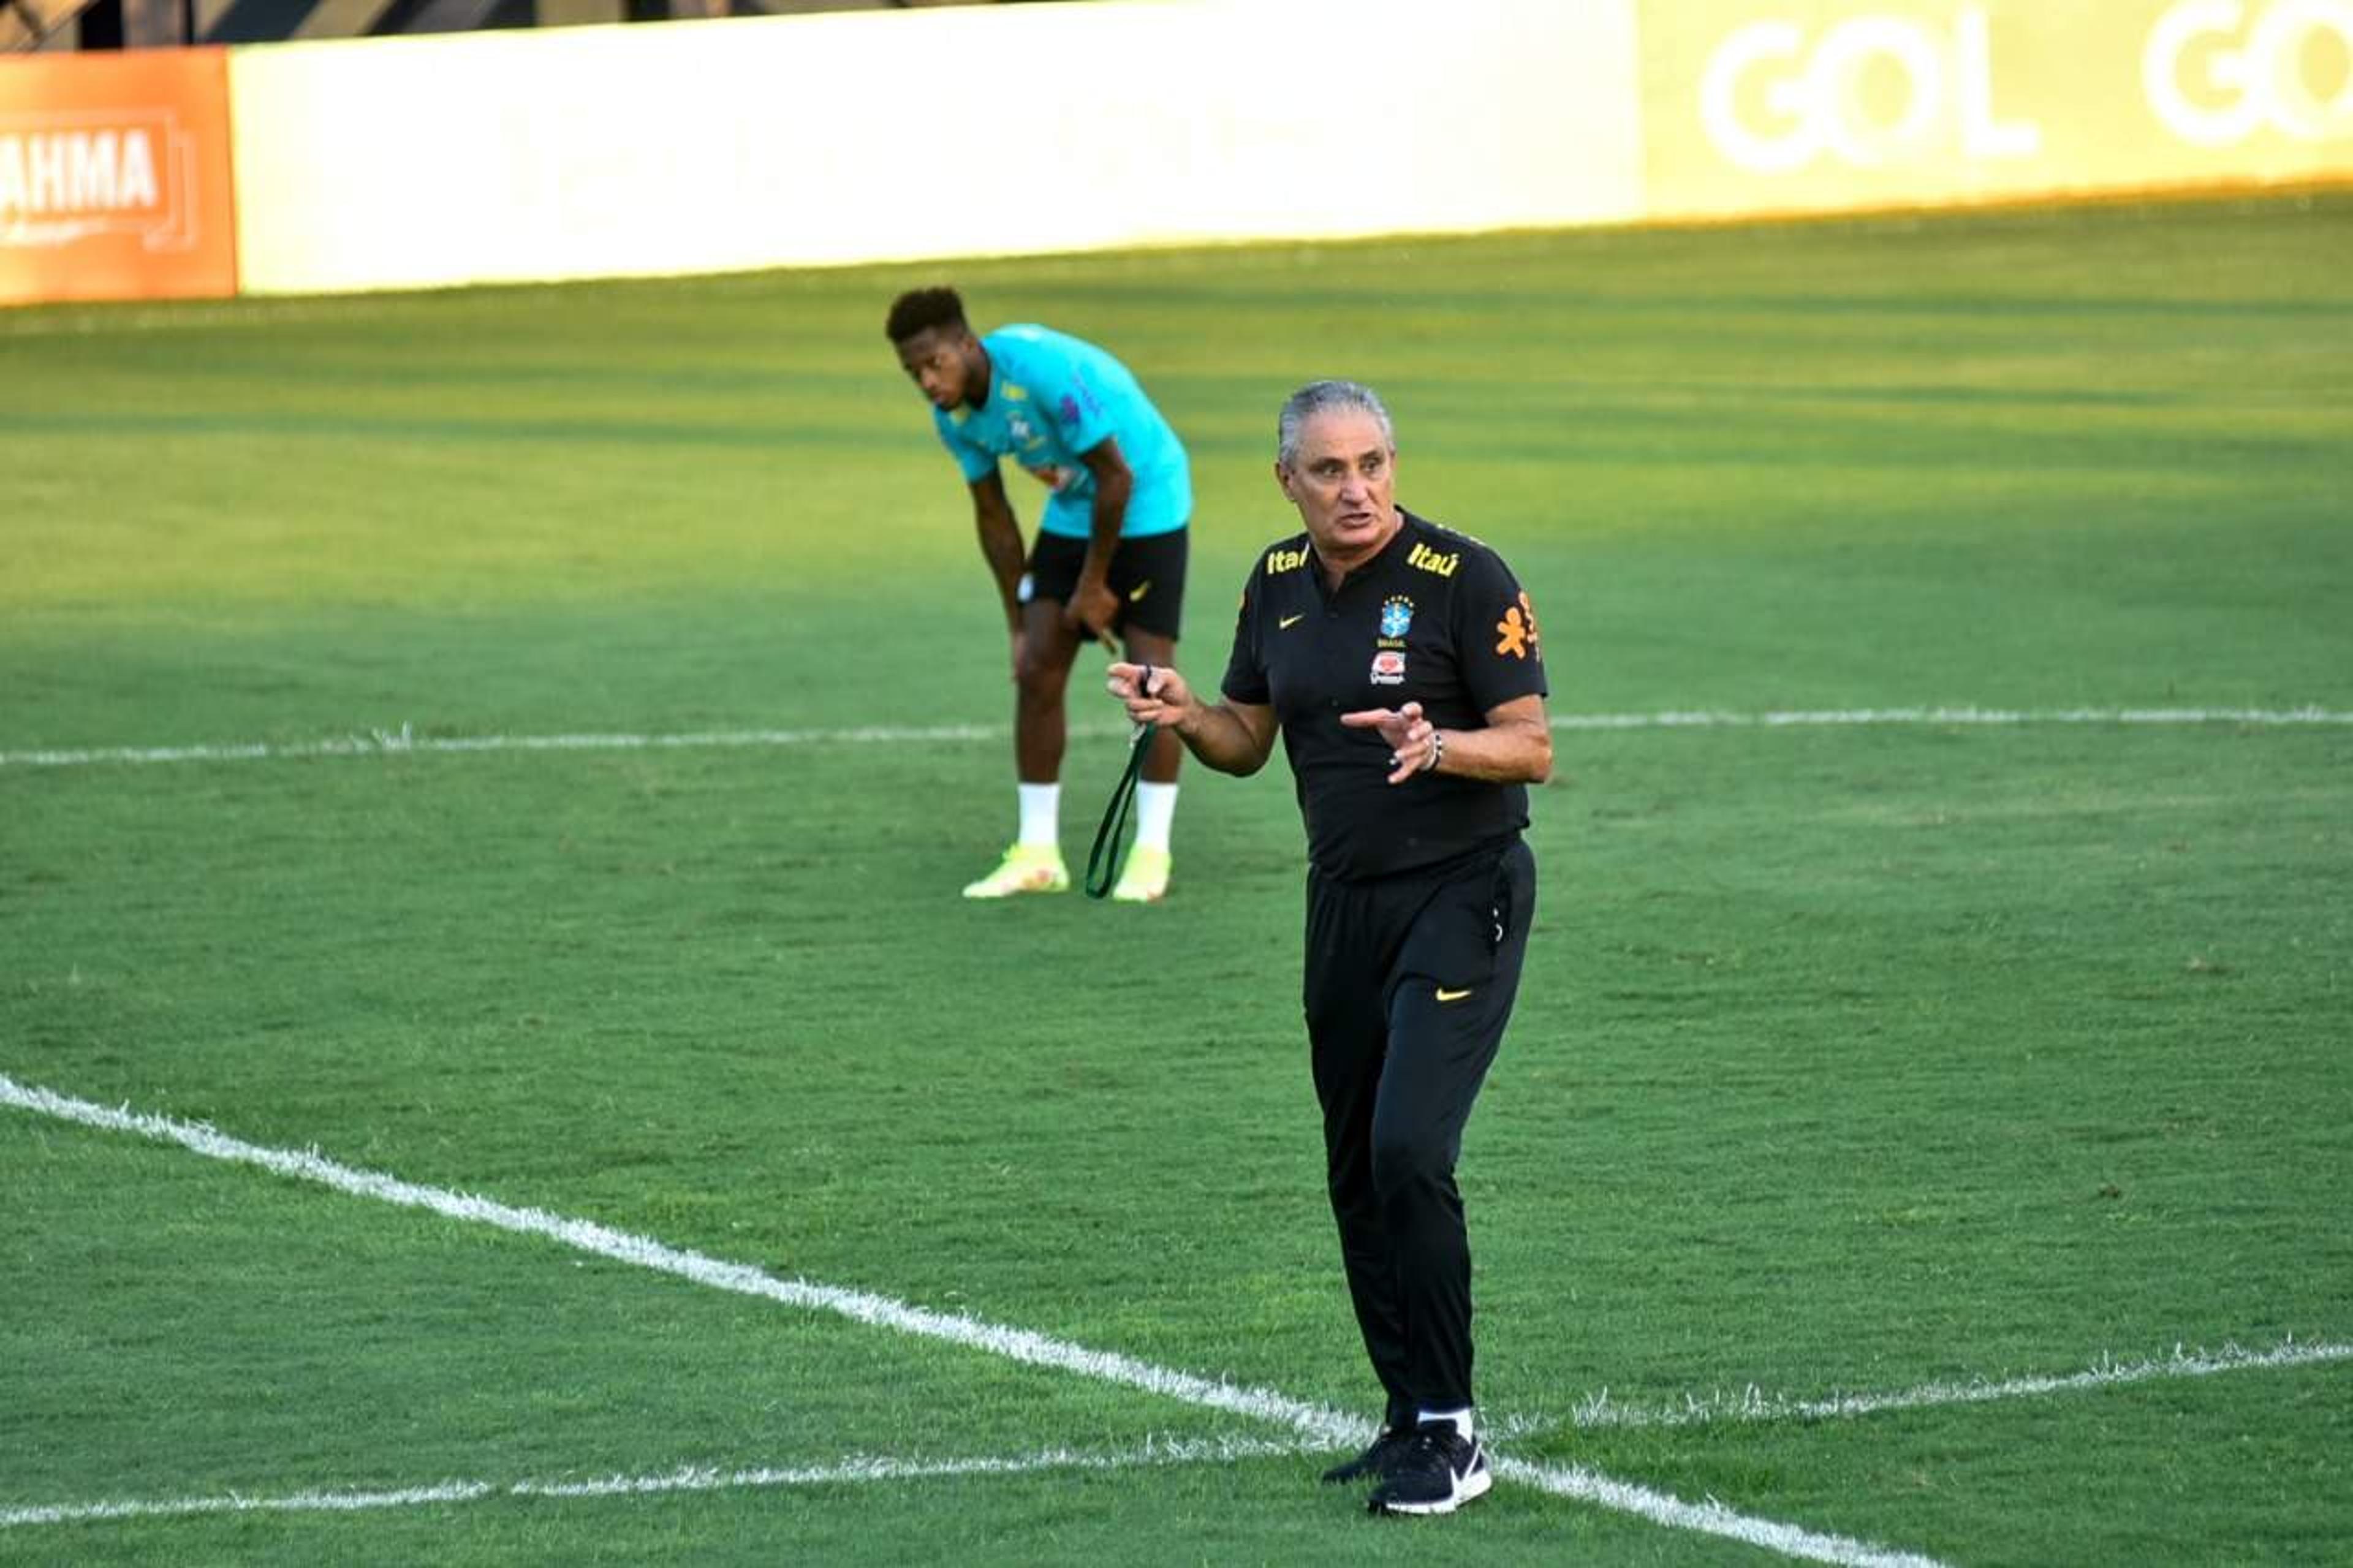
point(1311, 1422)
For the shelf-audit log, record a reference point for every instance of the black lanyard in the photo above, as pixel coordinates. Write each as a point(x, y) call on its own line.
point(1102, 860)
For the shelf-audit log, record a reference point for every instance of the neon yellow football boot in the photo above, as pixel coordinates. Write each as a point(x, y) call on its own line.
point(1145, 878)
point(1026, 868)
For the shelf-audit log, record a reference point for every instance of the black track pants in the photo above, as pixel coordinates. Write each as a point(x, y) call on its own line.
point(1409, 981)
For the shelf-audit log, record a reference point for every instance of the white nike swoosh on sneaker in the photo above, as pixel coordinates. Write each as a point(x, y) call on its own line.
point(1473, 1481)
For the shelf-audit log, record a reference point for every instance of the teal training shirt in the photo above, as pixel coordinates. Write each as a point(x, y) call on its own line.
point(1050, 397)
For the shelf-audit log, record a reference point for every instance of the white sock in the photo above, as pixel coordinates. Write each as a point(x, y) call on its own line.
point(1155, 808)
point(1041, 807)
point(1462, 1419)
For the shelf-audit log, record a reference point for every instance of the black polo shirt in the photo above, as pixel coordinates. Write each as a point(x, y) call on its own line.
point(1435, 618)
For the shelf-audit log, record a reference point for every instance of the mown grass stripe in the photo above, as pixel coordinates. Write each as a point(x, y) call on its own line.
point(403, 742)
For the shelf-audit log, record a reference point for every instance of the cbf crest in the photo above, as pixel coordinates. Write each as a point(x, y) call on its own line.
point(1397, 617)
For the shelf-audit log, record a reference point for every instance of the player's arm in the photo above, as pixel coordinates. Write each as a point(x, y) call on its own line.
point(1000, 543)
point(1231, 737)
point(1092, 603)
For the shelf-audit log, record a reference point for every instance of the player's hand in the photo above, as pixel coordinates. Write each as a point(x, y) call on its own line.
point(1165, 703)
point(1413, 740)
point(1092, 609)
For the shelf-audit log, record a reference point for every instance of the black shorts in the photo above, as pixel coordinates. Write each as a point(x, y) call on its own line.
point(1147, 574)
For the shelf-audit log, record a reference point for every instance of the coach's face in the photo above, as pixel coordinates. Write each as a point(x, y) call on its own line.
point(1344, 482)
point(945, 363)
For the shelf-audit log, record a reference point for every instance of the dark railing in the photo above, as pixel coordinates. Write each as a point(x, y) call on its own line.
point(162, 24)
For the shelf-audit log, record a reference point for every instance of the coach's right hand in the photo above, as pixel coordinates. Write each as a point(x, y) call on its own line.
point(1164, 703)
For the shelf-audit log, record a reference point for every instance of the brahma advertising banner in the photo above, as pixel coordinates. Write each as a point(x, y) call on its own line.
point(114, 177)
point(1794, 106)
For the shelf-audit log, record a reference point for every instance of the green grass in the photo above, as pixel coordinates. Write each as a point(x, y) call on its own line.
point(1849, 1059)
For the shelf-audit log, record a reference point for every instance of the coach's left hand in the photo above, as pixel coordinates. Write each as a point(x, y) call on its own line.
point(1412, 740)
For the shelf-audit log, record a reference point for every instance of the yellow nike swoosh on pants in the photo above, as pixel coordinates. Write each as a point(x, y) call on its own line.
point(1446, 995)
point(1135, 594)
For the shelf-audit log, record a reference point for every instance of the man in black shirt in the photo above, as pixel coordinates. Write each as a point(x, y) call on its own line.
point(1399, 661)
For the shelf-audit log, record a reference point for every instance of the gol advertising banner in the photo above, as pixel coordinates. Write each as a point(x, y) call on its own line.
point(1756, 106)
point(114, 177)
point(973, 130)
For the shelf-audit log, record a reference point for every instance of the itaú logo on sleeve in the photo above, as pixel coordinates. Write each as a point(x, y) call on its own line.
point(2218, 71)
point(1775, 99)
point(70, 174)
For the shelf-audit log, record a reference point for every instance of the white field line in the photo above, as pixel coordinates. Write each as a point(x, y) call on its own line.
point(1325, 1427)
point(585, 1235)
point(405, 741)
point(402, 741)
point(1749, 1405)
point(1155, 1451)
point(1832, 718)
point(1709, 1518)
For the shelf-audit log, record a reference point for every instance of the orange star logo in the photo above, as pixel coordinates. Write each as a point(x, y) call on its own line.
point(1518, 629)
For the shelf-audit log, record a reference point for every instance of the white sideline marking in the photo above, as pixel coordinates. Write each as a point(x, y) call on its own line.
point(585, 1235)
point(1155, 1451)
point(1325, 1427)
point(1709, 1518)
point(383, 743)
point(1751, 1405)
point(1830, 717)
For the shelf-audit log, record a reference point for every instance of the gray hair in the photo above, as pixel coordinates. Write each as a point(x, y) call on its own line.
point(1325, 397)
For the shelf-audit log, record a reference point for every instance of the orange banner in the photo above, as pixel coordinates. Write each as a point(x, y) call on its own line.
point(114, 177)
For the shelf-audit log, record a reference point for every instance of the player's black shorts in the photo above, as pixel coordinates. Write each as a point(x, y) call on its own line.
point(1147, 574)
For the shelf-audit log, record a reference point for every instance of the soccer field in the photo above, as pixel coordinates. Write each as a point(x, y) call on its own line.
point(494, 1067)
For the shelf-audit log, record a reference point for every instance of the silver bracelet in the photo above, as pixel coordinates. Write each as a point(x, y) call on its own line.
point(1437, 751)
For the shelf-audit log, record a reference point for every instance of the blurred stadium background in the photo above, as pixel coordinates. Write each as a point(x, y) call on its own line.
point(495, 694)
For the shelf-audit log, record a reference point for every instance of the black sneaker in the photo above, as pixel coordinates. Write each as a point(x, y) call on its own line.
point(1375, 1462)
point(1439, 1470)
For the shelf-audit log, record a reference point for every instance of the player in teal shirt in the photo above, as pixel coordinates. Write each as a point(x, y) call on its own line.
point(1108, 559)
